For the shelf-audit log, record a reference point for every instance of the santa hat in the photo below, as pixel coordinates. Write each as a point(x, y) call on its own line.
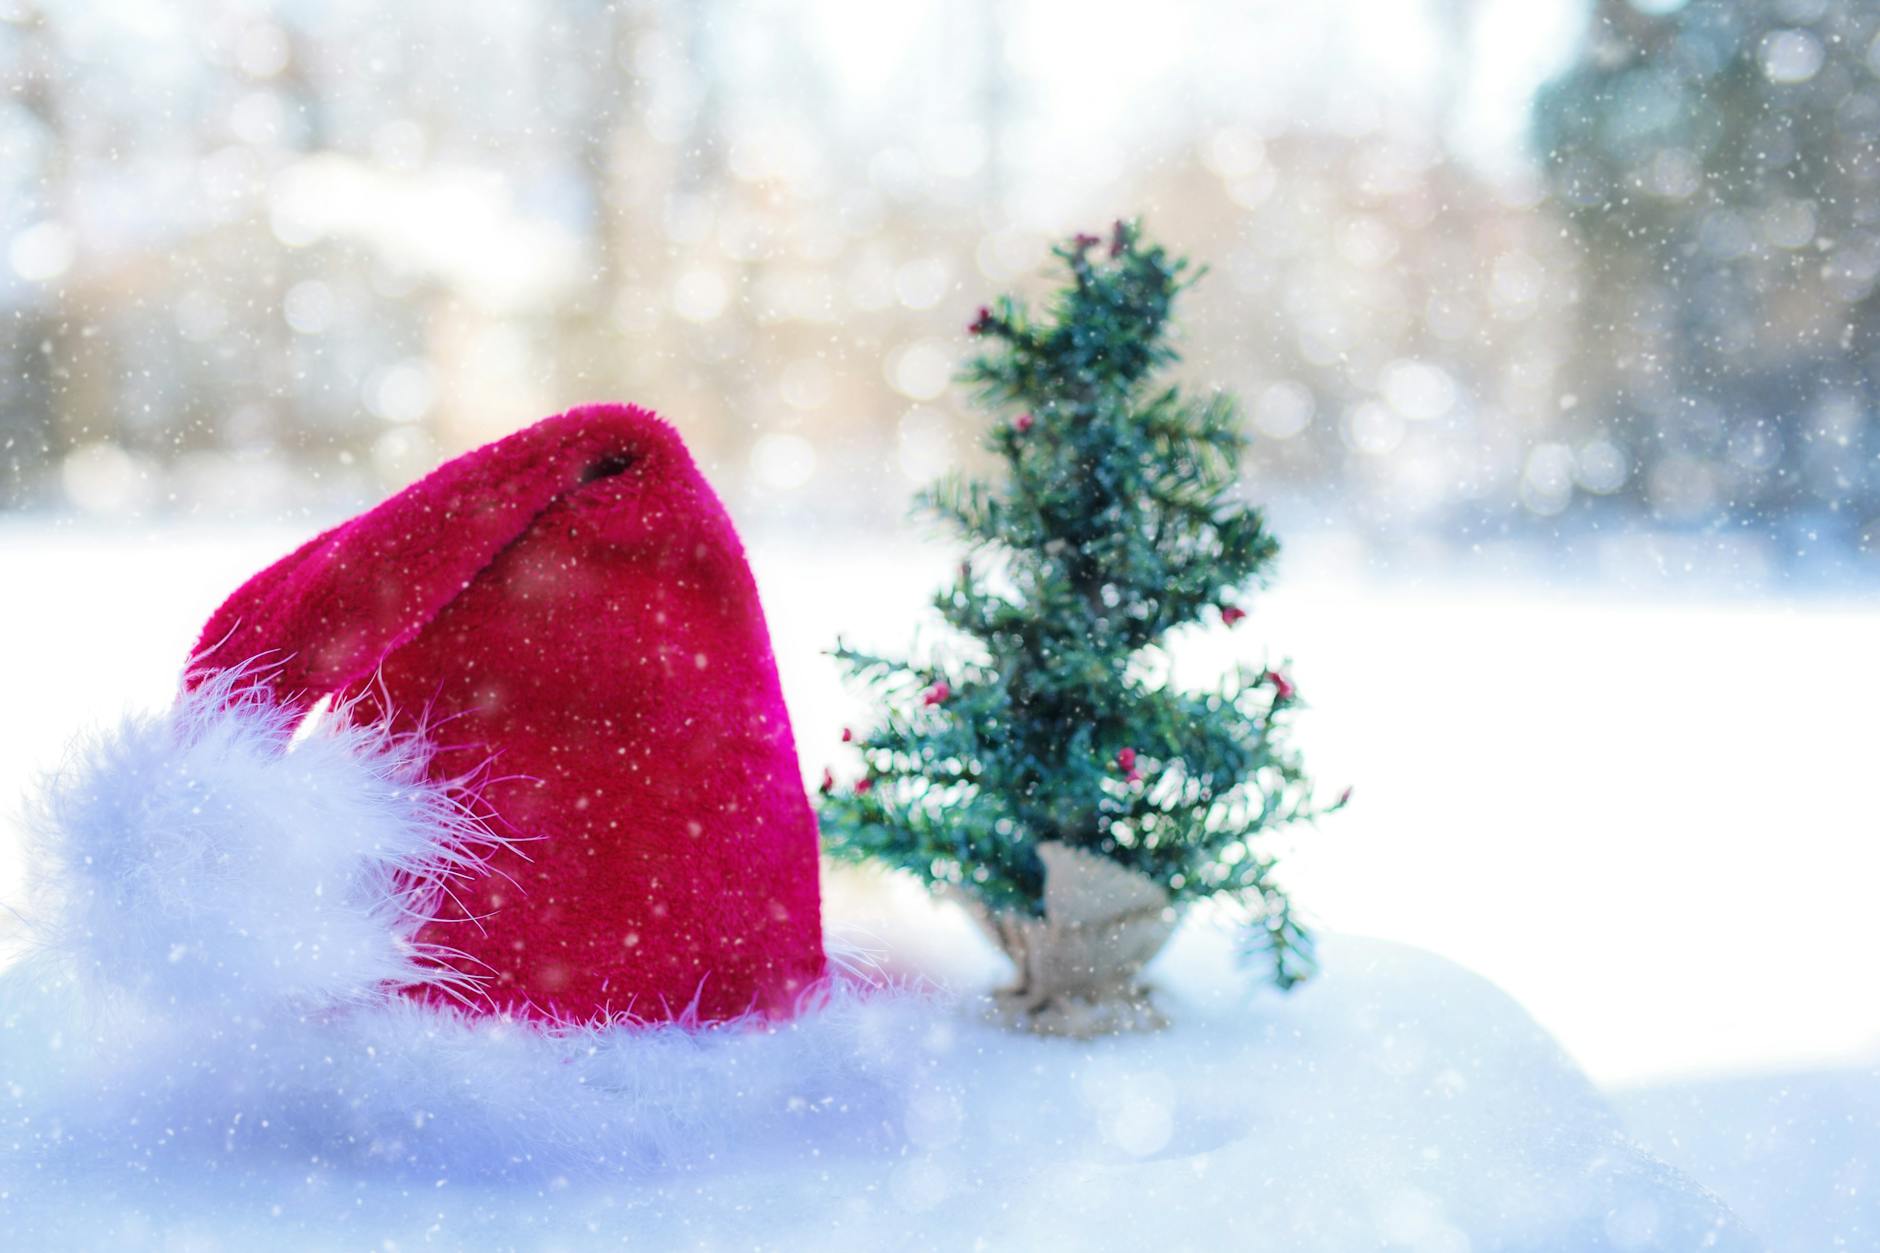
point(475, 843)
point(564, 617)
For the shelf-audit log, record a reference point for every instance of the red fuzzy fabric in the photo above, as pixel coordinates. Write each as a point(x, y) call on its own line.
point(573, 602)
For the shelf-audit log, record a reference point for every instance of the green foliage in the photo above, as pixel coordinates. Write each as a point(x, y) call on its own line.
point(1111, 527)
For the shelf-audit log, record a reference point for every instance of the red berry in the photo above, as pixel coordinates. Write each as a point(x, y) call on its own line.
point(981, 323)
point(1230, 614)
point(1283, 690)
point(1134, 776)
point(1126, 758)
point(847, 735)
point(863, 785)
point(1083, 242)
point(937, 694)
point(1022, 423)
point(828, 783)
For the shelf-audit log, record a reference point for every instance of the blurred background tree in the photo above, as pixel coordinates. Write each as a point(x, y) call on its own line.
point(262, 257)
point(1720, 160)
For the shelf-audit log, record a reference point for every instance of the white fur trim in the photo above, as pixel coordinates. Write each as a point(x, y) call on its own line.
point(193, 857)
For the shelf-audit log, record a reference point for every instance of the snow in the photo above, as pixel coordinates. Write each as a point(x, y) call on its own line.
point(1607, 808)
point(1797, 1154)
point(1400, 1103)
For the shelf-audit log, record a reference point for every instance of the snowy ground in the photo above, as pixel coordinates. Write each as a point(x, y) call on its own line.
point(1403, 1104)
point(1645, 821)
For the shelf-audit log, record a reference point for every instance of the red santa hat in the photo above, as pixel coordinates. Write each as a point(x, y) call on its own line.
point(474, 845)
point(565, 616)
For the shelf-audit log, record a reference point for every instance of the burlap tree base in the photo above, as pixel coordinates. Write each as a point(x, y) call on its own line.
point(1079, 965)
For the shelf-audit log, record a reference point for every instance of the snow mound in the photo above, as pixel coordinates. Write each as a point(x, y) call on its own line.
point(1400, 1103)
point(1798, 1154)
point(185, 1064)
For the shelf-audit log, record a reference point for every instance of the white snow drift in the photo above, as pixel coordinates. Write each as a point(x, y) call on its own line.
point(206, 1046)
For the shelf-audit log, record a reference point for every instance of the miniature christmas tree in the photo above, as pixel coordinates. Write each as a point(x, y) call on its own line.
point(1054, 726)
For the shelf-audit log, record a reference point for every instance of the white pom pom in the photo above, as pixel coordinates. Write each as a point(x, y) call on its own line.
point(195, 857)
